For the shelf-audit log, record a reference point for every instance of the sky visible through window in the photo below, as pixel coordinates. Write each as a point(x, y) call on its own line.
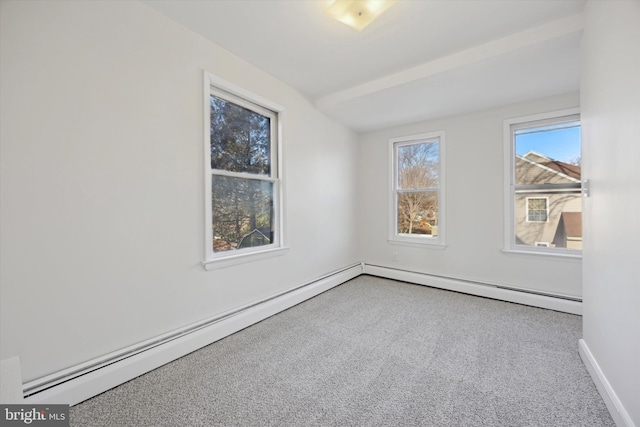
point(560, 144)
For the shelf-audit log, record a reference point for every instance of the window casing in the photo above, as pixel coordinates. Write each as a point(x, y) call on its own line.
point(243, 194)
point(416, 215)
point(543, 192)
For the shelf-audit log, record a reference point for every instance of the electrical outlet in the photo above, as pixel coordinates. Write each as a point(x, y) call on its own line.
point(394, 256)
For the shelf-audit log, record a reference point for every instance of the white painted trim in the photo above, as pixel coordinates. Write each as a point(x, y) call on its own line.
point(238, 95)
point(206, 135)
point(614, 405)
point(244, 175)
point(509, 245)
point(418, 241)
point(549, 31)
point(546, 253)
point(241, 258)
point(510, 294)
point(542, 116)
point(234, 89)
point(110, 371)
point(111, 374)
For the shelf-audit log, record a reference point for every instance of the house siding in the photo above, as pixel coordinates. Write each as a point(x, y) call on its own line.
point(528, 233)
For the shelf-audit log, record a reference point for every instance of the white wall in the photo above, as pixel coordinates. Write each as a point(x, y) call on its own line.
point(102, 201)
point(474, 205)
point(610, 100)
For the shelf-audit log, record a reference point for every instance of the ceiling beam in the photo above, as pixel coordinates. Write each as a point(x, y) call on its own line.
point(542, 33)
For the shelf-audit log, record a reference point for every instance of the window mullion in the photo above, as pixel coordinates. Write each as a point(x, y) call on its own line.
point(524, 187)
point(418, 190)
point(243, 175)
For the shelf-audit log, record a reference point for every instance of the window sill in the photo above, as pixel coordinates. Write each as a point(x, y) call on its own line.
point(425, 245)
point(560, 255)
point(231, 260)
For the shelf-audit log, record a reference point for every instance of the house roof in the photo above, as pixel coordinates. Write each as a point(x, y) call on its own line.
point(536, 157)
point(561, 169)
point(245, 242)
point(572, 224)
point(570, 170)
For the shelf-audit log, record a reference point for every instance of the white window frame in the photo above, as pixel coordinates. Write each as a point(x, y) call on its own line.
point(510, 126)
point(214, 85)
point(526, 212)
point(426, 241)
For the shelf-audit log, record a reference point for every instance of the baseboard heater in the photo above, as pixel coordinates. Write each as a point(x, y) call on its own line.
point(86, 380)
point(564, 303)
point(83, 381)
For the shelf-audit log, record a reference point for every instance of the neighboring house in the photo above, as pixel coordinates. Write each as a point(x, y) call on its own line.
point(569, 232)
point(550, 217)
point(257, 237)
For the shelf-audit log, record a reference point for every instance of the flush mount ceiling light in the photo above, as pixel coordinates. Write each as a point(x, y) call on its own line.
point(358, 13)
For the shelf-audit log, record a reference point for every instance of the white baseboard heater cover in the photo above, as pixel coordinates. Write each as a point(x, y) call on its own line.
point(81, 382)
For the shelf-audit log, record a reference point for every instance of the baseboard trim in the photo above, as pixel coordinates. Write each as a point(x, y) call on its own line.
point(614, 405)
point(79, 383)
point(478, 289)
point(86, 383)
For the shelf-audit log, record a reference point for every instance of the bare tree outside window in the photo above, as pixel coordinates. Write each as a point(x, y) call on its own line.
point(417, 188)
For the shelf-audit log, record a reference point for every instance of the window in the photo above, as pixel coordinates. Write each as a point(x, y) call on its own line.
point(537, 209)
point(543, 197)
point(242, 179)
point(417, 198)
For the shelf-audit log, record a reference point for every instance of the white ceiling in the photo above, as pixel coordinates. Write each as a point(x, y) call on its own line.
point(422, 59)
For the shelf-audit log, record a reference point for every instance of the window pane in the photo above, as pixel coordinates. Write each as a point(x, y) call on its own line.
point(548, 156)
point(418, 166)
point(418, 213)
point(544, 216)
point(240, 138)
point(551, 219)
point(242, 213)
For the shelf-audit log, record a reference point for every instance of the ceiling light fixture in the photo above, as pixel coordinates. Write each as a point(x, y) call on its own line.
point(358, 13)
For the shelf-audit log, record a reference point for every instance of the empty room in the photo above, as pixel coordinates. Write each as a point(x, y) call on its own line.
point(320, 212)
